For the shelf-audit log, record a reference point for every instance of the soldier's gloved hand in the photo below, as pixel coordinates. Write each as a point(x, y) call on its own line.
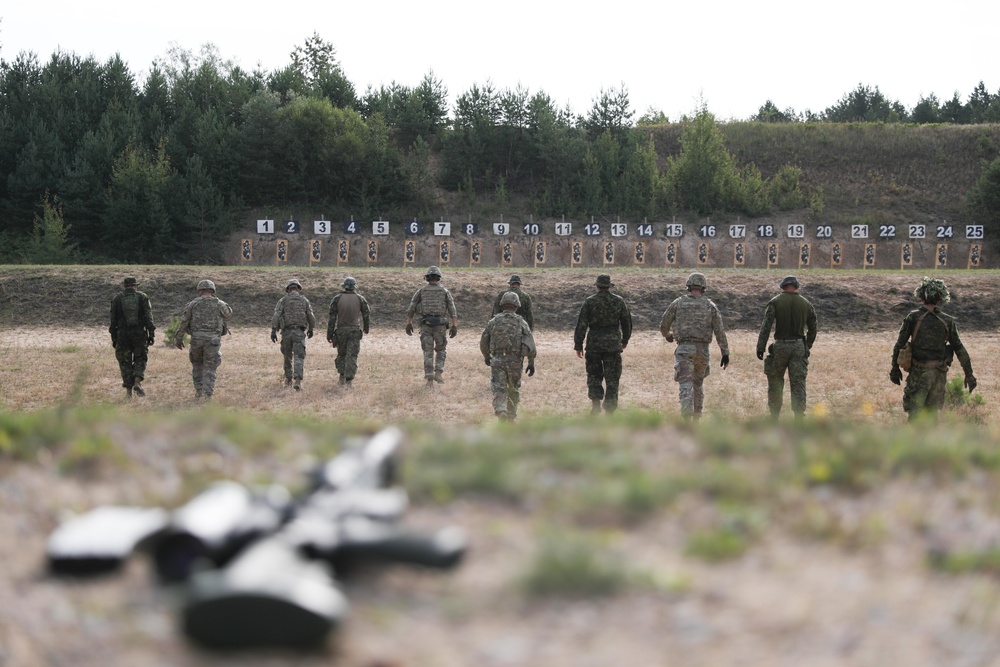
point(453, 331)
point(309, 334)
point(409, 329)
point(896, 375)
point(725, 361)
point(365, 330)
point(274, 335)
point(970, 382)
point(487, 361)
point(179, 344)
point(150, 339)
point(807, 351)
point(530, 370)
point(670, 338)
point(760, 354)
point(114, 342)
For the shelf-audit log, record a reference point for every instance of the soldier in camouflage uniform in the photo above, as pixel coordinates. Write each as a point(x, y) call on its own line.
point(350, 318)
point(692, 320)
point(794, 322)
point(524, 310)
point(205, 319)
point(505, 342)
point(606, 324)
point(435, 307)
point(294, 318)
point(132, 332)
point(934, 341)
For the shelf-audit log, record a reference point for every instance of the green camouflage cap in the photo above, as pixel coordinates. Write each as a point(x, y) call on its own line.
point(514, 280)
point(130, 282)
point(932, 290)
point(603, 280)
point(789, 280)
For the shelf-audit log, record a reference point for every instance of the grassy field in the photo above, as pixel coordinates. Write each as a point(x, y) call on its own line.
point(854, 539)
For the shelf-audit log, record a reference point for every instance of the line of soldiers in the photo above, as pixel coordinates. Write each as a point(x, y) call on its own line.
point(927, 343)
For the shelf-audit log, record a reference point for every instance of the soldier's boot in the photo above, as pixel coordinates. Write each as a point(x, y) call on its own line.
point(128, 392)
point(137, 388)
point(696, 416)
point(438, 377)
point(347, 384)
point(595, 406)
point(298, 384)
point(288, 382)
point(342, 381)
point(198, 394)
point(501, 416)
point(430, 383)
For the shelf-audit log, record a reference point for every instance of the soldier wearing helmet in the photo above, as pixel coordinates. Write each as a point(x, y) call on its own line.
point(605, 323)
point(692, 320)
point(350, 318)
point(793, 319)
point(293, 317)
point(205, 319)
point(933, 342)
point(524, 310)
point(435, 308)
point(505, 342)
point(131, 331)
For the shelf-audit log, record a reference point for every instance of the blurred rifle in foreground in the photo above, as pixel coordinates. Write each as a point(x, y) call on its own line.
point(259, 567)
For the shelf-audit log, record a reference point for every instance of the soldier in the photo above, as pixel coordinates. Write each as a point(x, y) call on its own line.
point(794, 322)
point(933, 343)
point(505, 342)
point(524, 310)
point(350, 318)
point(606, 323)
point(132, 332)
point(293, 316)
point(205, 319)
point(692, 320)
point(435, 306)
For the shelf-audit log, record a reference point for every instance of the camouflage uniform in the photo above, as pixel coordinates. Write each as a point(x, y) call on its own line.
point(606, 323)
point(350, 318)
point(932, 349)
point(205, 319)
point(524, 310)
point(794, 321)
point(505, 342)
point(435, 306)
point(132, 331)
point(691, 320)
point(294, 318)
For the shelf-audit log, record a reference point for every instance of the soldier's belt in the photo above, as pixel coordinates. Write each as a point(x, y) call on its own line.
point(789, 340)
point(933, 363)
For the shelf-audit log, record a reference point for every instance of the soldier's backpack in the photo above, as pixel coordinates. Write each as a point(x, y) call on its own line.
point(905, 357)
point(130, 308)
point(506, 338)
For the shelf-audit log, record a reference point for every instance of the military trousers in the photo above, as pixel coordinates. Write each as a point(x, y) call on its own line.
point(434, 343)
point(924, 390)
point(348, 348)
point(131, 351)
point(790, 356)
point(604, 370)
point(691, 366)
point(206, 356)
point(293, 348)
point(505, 381)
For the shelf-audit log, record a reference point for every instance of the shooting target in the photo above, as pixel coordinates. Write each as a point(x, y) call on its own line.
point(246, 250)
point(539, 252)
point(804, 255)
point(739, 255)
point(371, 254)
point(975, 255)
point(702, 254)
point(671, 254)
point(941, 256)
point(576, 253)
point(869, 255)
point(609, 253)
point(281, 252)
point(640, 252)
point(772, 254)
point(507, 254)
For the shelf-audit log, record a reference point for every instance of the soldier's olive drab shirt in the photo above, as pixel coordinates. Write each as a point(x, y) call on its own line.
point(524, 310)
point(144, 308)
point(205, 316)
point(935, 334)
point(432, 300)
point(792, 316)
point(507, 336)
point(694, 318)
point(348, 310)
point(293, 310)
point(605, 322)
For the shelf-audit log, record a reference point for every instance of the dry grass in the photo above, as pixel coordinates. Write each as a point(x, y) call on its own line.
point(848, 377)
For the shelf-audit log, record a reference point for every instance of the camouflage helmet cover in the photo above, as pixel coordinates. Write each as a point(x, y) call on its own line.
point(510, 299)
point(206, 284)
point(603, 280)
point(697, 280)
point(349, 283)
point(130, 282)
point(514, 280)
point(789, 280)
point(294, 282)
point(932, 290)
point(433, 271)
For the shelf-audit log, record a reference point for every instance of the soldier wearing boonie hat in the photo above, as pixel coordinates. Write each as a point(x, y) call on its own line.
point(605, 324)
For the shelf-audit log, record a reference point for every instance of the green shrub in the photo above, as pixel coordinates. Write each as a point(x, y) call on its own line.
point(171, 331)
point(573, 563)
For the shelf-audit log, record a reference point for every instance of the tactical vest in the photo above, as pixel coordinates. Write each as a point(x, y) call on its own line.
point(348, 310)
point(130, 308)
point(294, 312)
point(205, 316)
point(433, 300)
point(694, 320)
point(505, 338)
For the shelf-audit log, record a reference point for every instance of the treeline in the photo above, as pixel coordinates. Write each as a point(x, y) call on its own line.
point(97, 166)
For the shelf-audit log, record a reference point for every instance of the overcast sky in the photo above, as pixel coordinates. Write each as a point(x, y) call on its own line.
point(732, 54)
